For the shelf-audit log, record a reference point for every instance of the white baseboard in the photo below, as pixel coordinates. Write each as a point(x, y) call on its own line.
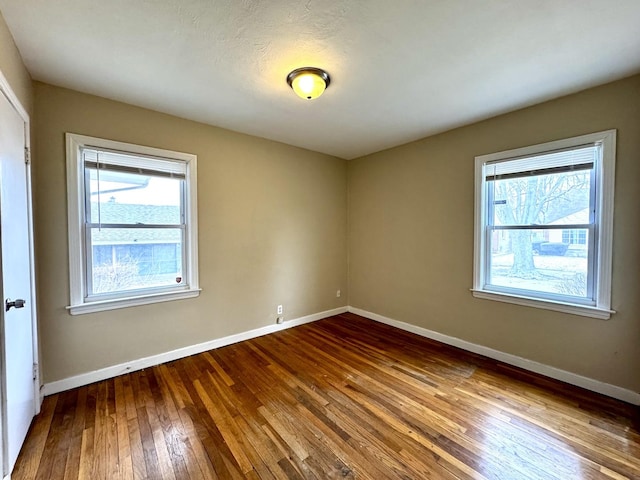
point(530, 365)
point(146, 362)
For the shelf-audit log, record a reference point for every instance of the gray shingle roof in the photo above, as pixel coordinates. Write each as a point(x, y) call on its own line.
point(133, 214)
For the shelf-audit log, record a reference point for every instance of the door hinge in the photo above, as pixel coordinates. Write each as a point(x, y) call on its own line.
point(27, 155)
point(35, 371)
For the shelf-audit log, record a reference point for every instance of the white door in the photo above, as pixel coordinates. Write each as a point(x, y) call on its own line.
point(17, 335)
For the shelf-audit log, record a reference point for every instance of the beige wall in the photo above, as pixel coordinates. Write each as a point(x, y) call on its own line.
point(13, 69)
point(411, 237)
point(272, 230)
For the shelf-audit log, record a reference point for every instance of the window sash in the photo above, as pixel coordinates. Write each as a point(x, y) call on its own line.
point(88, 225)
point(489, 188)
point(538, 164)
point(588, 299)
point(87, 192)
point(89, 262)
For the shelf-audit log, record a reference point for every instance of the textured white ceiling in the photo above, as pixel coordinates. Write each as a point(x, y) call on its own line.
point(400, 70)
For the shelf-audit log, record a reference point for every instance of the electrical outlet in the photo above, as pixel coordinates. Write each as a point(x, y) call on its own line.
point(338, 293)
point(279, 310)
point(279, 319)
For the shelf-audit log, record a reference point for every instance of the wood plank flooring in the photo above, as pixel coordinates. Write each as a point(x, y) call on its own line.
point(344, 397)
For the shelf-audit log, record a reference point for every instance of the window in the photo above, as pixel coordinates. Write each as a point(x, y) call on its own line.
point(132, 224)
point(543, 225)
point(574, 237)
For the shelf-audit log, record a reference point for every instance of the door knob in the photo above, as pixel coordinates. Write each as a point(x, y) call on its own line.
point(19, 303)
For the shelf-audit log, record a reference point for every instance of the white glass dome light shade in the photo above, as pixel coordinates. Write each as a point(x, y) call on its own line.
point(308, 82)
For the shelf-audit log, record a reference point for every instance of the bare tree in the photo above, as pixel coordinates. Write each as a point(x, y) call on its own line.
point(535, 200)
point(122, 274)
point(114, 277)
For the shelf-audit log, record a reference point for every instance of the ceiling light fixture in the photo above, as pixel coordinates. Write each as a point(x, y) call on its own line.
point(308, 82)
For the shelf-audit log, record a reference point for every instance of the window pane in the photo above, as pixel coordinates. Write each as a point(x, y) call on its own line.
point(129, 198)
point(553, 199)
point(540, 261)
point(135, 258)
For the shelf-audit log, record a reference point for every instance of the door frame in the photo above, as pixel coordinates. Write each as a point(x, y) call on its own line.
point(7, 91)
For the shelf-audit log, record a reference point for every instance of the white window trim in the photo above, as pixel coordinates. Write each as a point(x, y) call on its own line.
point(75, 201)
point(605, 199)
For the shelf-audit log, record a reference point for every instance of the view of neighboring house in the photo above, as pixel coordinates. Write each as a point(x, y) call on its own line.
point(576, 238)
point(136, 256)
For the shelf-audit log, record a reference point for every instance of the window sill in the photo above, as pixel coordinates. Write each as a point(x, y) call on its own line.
point(102, 305)
point(571, 308)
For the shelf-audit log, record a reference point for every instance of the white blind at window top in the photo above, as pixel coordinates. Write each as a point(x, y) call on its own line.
point(113, 160)
point(579, 158)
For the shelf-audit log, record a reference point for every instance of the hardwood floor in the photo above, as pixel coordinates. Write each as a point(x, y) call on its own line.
point(344, 397)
